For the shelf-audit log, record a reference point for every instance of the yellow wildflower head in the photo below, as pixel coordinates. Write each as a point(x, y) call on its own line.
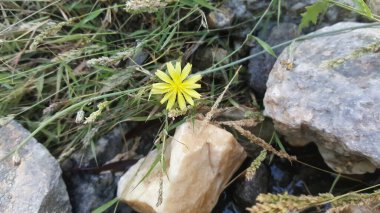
point(178, 85)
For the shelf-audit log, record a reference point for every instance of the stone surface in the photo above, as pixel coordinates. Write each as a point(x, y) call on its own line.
point(239, 8)
point(32, 182)
point(260, 67)
point(207, 56)
point(331, 96)
point(375, 6)
point(220, 18)
point(246, 191)
point(88, 191)
point(200, 160)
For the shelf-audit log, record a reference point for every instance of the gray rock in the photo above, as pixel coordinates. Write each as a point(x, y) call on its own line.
point(375, 6)
point(207, 56)
point(31, 181)
point(331, 96)
point(220, 18)
point(89, 191)
point(260, 67)
point(246, 191)
point(238, 8)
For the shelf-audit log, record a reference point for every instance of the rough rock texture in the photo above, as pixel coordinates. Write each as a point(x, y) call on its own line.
point(206, 57)
point(246, 191)
point(32, 182)
point(200, 160)
point(375, 6)
point(88, 191)
point(260, 67)
point(220, 18)
point(331, 96)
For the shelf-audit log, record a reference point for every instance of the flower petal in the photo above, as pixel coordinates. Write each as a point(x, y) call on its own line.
point(159, 91)
point(167, 96)
point(163, 76)
point(172, 71)
point(192, 80)
point(192, 93)
point(181, 101)
point(161, 86)
point(171, 101)
point(192, 86)
point(188, 99)
point(178, 67)
point(185, 71)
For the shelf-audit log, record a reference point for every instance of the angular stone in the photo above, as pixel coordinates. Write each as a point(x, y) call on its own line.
point(32, 182)
point(260, 67)
point(331, 96)
point(375, 6)
point(200, 160)
point(89, 191)
point(220, 18)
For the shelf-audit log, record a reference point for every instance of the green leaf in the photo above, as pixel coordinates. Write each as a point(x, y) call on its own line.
point(105, 206)
point(88, 18)
point(93, 150)
point(203, 3)
point(169, 38)
point(40, 86)
point(154, 164)
point(312, 13)
point(364, 8)
point(265, 46)
point(278, 142)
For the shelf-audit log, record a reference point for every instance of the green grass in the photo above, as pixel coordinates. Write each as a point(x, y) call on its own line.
point(59, 57)
point(45, 49)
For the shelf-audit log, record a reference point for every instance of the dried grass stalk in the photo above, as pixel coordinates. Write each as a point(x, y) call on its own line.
point(260, 142)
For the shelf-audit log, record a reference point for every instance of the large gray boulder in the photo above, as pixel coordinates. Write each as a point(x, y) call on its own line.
point(32, 181)
point(331, 96)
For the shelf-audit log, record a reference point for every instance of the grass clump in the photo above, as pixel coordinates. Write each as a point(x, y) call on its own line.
point(70, 71)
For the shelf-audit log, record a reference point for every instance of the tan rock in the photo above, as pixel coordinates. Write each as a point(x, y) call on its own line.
point(200, 160)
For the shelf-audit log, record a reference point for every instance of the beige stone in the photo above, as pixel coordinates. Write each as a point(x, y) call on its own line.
point(200, 160)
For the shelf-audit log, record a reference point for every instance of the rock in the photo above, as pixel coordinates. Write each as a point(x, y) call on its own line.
point(256, 6)
point(238, 8)
point(220, 18)
point(375, 6)
point(200, 160)
point(260, 66)
point(88, 191)
point(33, 182)
point(247, 190)
point(331, 96)
point(205, 57)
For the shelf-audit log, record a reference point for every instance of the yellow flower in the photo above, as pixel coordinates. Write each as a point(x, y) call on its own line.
point(177, 86)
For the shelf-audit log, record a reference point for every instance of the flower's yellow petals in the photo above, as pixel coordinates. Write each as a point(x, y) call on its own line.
point(188, 99)
point(181, 101)
point(161, 86)
point(185, 72)
point(171, 101)
point(192, 93)
point(178, 67)
point(167, 96)
point(172, 71)
point(163, 76)
point(192, 80)
point(159, 91)
point(192, 86)
point(170, 67)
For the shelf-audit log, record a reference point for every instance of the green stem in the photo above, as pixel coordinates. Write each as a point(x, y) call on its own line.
point(62, 113)
point(300, 38)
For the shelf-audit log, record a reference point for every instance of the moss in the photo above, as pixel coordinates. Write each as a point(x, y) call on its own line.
point(372, 48)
